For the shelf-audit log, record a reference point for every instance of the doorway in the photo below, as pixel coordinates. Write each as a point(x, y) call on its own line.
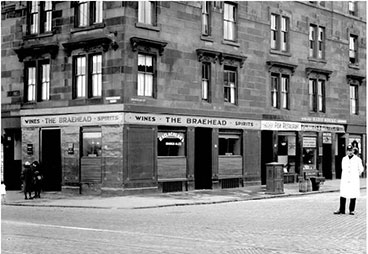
point(203, 159)
point(340, 154)
point(326, 161)
point(51, 159)
point(266, 153)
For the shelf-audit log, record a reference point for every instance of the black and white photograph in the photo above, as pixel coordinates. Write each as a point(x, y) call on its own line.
point(183, 127)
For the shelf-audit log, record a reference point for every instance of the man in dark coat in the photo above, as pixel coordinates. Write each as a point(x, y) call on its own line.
point(37, 179)
point(27, 177)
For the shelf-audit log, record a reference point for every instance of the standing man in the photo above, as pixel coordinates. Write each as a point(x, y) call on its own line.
point(27, 177)
point(350, 183)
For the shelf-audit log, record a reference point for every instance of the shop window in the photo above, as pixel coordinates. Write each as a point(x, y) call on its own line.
point(87, 80)
point(147, 12)
point(286, 151)
point(316, 42)
point(206, 71)
point(279, 32)
point(353, 49)
point(280, 91)
point(145, 75)
point(230, 20)
point(39, 17)
point(316, 95)
point(230, 84)
point(206, 18)
point(229, 144)
point(309, 152)
point(171, 143)
point(92, 143)
point(88, 13)
point(37, 81)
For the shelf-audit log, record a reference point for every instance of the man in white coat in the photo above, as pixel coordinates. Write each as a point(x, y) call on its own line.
point(350, 183)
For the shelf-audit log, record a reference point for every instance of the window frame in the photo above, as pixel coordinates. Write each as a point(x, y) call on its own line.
point(206, 82)
point(230, 22)
point(206, 18)
point(317, 42)
point(353, 49)
point(354, 99)
point(86, 89)
point(353, 8)
point(147, 73)
point(90, 130)
point(39, 18)
point(37, 88)
point(94, 14)
point(153, 13)
point(228, 70)
point(317, 95)
point(280, 94)
point(280, 33)
point(237, 146)
point(181, 152)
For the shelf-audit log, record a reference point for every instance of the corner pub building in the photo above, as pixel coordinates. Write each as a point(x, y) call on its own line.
point(174, 96)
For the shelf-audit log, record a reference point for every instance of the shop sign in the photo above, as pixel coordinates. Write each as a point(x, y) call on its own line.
point(194, 121)
point(75, 119)
point(280, 126)
point(309, 142)
point(327, 138)
point(322, 127)
point(323, 120)
point(163, 135)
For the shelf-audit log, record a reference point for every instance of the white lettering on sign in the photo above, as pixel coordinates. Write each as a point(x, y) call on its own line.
point(175, 120)
point(177, 135)
point(322, 127)
point(78, 119)
point(309, 142)
point(276, 125)
point(323, 120)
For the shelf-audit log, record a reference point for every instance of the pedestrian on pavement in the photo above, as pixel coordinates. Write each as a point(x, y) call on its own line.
point(37, 179)
point(27, 177)
point(352, 168)
point(3, 192)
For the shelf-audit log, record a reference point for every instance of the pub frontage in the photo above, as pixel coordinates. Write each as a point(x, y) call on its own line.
point(123, 152)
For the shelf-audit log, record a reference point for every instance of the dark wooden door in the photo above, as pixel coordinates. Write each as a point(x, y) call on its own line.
point(203, 158)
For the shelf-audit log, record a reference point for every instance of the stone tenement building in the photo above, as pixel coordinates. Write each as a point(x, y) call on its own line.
point(174, 96)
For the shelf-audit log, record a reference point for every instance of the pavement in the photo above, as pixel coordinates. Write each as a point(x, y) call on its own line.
point(155, 200)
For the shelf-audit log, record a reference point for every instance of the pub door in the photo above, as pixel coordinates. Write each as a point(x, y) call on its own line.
point(326, 161)
point(203, 158)
point(51, 159)
point(266, 153)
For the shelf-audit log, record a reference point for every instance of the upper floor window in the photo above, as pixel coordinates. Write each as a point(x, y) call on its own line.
point(206, 21)
point(354, 102)
point(37, 81)
point(147, 12)
point(317, 95)
point(353, 8)
point(316, 41)
point(230, 20)
point(230, 84)
point(40, 17)
point(87, 76)
point(279, 32)
point(206, 82)
point(88, 13)
point(146, 64)
point(353, 49)
point(280, 90)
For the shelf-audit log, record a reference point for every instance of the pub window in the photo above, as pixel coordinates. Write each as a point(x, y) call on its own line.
point(147, 12)
point(39, 17)
point(353, 49)
point(354, 102)
point(316, 95)
point(287, 151)
point(230, 84)
point(87, 76)
point(146, 75)
point(316, 42)
point(37, 81)
point(206, 71)
point(92, 142)
point(88, 13)
point(171, 143)
point(206, 21)
point(229, 144)
point(230, 21)
point(279, 32)
point(310, 152)
point(280, 91)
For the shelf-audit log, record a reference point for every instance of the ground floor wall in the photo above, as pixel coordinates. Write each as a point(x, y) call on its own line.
point(123, 152)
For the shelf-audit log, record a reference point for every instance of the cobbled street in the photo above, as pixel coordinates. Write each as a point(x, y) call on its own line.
point(303, 224)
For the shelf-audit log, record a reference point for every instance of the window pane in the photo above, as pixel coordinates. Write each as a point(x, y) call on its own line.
point(92, 144)
point(285, 92)
point(34, 17)
point(83, 13)
point(45, 82)
point(145, 12)
point(81, 77)
point(229, 144)
point(98, 12)
point(31, 84)
point(171, 143)
point(97, 75)
point(274, 91)
point(140, 89)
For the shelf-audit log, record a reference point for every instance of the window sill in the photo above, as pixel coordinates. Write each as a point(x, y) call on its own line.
point(37, 36)
point(207, 38)
point(148, 27)
point(354, 66)
point(231, 43)
point(312, 59)
point(282, 53)
point(88, 28)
